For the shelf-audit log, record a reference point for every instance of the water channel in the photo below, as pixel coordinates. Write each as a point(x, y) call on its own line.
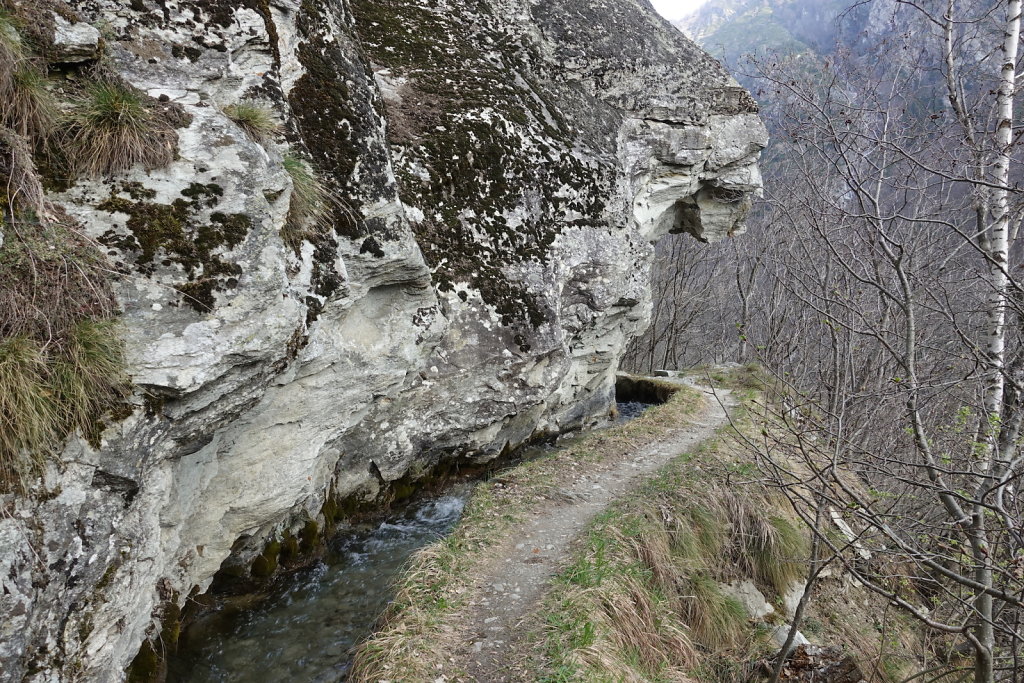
point(305, 629)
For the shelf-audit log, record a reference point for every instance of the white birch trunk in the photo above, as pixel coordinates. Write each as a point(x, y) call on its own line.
point(995, 341)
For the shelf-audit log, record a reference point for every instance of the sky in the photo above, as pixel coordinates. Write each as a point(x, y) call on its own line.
point(673, 9)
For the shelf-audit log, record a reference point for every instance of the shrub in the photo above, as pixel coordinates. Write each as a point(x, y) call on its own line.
point(312, 203)
point(111, 128)
point(257, 120)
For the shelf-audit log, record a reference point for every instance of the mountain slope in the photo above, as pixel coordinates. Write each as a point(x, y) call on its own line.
point(729, 29)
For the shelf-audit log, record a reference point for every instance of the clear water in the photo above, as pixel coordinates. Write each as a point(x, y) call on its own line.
point(630, 410)
point(305, 631)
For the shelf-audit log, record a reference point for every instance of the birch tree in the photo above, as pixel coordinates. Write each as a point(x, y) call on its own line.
point(906, 393)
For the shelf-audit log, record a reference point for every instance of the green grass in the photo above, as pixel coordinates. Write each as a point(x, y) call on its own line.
point(717, 621)
point(88, 372)
point(779, 554)
point(312, 204)
point(49, 390)
point(257, 120)
point(436, 584)
point(111, 128)
point(29, 415)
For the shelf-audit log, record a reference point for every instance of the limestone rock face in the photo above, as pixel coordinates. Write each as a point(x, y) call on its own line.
point(500, 172)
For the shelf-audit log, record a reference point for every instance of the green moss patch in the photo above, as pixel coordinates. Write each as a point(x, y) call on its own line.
point(478, 144)
point(171, 233)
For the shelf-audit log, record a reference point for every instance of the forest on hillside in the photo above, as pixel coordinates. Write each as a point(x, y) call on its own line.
point(880, 287)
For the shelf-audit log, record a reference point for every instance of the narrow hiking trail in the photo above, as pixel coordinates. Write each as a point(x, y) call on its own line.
point(491, 644)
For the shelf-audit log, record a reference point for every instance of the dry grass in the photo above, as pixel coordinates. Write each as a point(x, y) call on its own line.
point(112, 128)
point(12, 48)
point(680, 538)
point(312, 203)
point(22, 189)
point(257, 120)
point(61, 361)
point(53, 278)
point(27, 106)
point(47, 391)
point(28, 413)
point(405, 645)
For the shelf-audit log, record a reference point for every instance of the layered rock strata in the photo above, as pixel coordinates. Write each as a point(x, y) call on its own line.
point(499, 169)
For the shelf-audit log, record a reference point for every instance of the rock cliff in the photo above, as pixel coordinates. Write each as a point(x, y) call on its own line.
point(500, 169)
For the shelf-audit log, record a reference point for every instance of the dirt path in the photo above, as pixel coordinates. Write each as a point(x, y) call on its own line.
point(516, 579)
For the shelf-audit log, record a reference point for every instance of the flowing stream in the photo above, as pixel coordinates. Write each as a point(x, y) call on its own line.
point(305, 629)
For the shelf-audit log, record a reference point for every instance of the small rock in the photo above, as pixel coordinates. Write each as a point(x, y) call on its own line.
point(780, 633)
point(73, 43)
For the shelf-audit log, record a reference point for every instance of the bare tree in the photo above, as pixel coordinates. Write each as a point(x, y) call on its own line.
point(880, 288)
point(906, 388)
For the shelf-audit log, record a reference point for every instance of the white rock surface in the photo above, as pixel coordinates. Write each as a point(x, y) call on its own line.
point(491, 260)
point(73, 42)
point(748, 595)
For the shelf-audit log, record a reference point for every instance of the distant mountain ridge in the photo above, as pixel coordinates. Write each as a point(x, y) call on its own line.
point(729, 29)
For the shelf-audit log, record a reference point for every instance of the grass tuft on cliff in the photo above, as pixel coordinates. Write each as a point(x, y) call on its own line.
point(437, 581)
point(22, 188)
point(312, 203)
point(28, 412)
point(49, 390)
point(12, 49)
point(257, 120)
point(27, 106)
point(61, 357)
point(111, 128)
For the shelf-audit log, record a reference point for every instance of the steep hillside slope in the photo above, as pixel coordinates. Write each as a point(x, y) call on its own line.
point(729, 29)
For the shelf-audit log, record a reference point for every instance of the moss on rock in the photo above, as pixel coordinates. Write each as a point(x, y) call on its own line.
point(493, 168)
point(146, 666)
point(172, 233)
